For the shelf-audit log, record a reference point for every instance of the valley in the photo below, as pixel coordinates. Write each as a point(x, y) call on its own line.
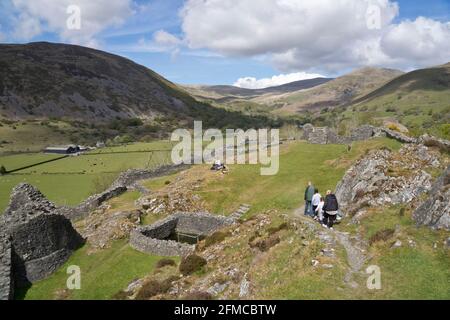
point(377, 137)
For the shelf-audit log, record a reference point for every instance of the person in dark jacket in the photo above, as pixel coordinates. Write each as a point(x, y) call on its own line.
point(309, 194)
point(330, 208)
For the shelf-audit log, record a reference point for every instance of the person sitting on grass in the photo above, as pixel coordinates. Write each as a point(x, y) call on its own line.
point(330, 209)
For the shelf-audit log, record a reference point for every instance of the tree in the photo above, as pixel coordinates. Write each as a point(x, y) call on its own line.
point(3, 170)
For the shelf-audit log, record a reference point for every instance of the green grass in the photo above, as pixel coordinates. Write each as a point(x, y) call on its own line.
point(69, 181)
point(102, 274)
point(420, 272)
point(21, 160)
point(285, 191)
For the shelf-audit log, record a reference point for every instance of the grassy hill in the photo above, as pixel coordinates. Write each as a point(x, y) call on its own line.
point(337, 92)
point(420, 100)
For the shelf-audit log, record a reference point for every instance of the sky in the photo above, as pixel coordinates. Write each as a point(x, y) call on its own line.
point(247, 43)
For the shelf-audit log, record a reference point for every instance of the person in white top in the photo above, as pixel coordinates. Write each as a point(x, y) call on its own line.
point(315, 202)
point(319, 210)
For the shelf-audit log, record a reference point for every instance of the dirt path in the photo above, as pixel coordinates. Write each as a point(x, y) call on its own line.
point(354, 247)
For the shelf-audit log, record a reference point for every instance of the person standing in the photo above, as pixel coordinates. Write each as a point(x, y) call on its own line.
point(309, 194)
point(315, 202)
point(319, 210)
point(330, 209)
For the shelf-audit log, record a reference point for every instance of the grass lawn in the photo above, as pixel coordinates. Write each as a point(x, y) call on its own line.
point(324, 165)
point(103, 274)
point(69, 181)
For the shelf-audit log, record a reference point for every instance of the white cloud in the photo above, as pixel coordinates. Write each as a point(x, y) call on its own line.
point(38, 16)
point(309, 34)
point(423, 40)
point(166, 39)
point(253, 83)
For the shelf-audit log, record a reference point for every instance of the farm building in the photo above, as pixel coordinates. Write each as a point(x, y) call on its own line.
point(72, 149)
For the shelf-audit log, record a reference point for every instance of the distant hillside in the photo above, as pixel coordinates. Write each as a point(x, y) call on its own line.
point(45, 80)
point(224, 91)
point(419, 99)
point(337, 92)
point(72, 83)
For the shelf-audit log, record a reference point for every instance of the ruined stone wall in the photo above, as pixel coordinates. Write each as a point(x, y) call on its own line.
point(6, 278)
point(201, 223)
point(151, 239)
point(326, 135)
point(125, 181)
point(40, 239)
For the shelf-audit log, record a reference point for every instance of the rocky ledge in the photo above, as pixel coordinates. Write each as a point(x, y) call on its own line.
point(435, 211)
point(384, 177)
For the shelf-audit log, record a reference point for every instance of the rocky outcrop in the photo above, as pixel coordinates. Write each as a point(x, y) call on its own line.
point(41, 239)
point(435, 211)
point(384, 177)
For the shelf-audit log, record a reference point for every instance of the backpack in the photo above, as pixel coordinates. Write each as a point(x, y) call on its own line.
point(331, 203)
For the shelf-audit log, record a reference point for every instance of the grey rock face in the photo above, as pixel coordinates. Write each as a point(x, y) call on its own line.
point(435, 211)
point(41, 239)
point(386, 178)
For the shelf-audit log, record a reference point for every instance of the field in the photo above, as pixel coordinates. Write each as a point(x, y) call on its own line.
point(70, 180)
point(408, 273)
point(299, 163)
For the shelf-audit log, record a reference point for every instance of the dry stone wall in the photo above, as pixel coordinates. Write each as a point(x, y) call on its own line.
point(124, 182)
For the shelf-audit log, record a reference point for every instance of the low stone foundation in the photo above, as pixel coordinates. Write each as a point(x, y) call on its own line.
point(153, 239)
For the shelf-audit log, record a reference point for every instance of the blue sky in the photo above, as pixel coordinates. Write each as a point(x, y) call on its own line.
point(190, 49)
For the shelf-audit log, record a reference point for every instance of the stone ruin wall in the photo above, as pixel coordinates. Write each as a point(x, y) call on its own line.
point(36, 237)
point(125, 181)
point(6, 278)
point(150, 239)
point(326, 135)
